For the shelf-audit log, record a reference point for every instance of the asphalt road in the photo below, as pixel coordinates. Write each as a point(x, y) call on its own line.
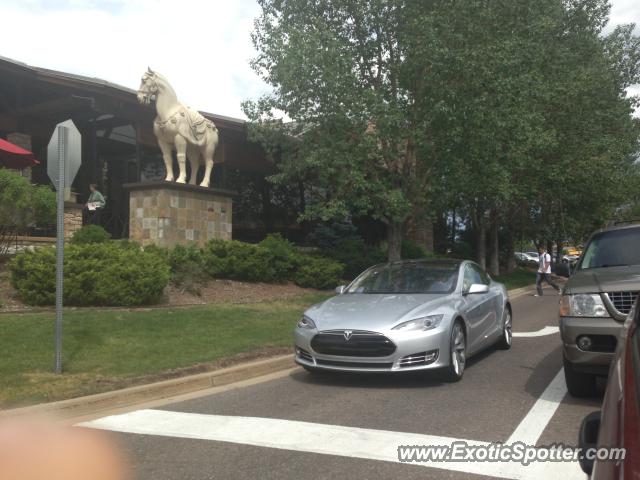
point(300, 426)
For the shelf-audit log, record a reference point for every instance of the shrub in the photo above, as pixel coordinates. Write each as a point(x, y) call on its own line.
point(329, 235)
point(33, 275)
point(187, 268)
point(318, 272)
point(285, 256)
point(240, 261)
point(100, 274)
point(356, 256)
point(90, 234)
point(410, 251)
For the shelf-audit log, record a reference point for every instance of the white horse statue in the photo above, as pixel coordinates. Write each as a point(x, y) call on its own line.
point(193, 136)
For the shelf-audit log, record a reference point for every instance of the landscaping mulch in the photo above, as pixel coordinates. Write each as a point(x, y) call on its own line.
point(231, 291)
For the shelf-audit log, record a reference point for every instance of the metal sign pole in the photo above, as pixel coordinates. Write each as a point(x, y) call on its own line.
point(62, 144)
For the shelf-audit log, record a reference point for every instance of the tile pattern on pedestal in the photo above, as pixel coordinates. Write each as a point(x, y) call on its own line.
point(166, 216)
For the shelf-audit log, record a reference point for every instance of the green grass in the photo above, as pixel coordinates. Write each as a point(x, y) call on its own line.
point(521, 277)
point(109, 349)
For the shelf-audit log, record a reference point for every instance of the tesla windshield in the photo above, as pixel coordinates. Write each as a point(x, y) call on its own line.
point(613, 249)
point(408, 278)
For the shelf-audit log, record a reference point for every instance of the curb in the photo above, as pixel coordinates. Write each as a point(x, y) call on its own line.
point(92, 404)
point(518, 292)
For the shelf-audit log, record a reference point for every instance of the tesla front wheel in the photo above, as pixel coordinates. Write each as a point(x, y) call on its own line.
point(457, 353)
point(507, 334)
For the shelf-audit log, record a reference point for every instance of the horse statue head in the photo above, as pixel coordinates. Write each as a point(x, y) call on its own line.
point(148, 87)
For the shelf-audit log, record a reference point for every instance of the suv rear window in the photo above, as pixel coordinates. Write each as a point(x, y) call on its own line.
point(612, 249)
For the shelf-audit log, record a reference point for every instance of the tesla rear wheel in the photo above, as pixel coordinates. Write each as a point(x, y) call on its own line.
point(458, 353)
point(507, 335)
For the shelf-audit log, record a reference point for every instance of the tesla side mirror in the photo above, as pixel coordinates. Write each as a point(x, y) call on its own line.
point(341, 289)
point(588, 438)
point(478, 288)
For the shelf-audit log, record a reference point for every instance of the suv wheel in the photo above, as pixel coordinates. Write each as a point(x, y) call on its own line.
point(579, 384)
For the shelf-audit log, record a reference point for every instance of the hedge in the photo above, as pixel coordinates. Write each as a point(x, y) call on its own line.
point(90, 234)
point(101, 274)
point(121, 273)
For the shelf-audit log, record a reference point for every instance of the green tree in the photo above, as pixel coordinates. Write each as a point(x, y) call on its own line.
point(338, 69)
point(22, 205)
point(590, 171)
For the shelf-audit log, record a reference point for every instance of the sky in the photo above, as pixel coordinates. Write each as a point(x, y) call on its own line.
point(203, 47)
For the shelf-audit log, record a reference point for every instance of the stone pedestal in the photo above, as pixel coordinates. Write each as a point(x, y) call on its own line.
point(167, 213)
point(72, 218)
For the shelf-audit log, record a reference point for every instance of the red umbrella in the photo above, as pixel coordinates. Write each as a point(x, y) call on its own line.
point(12, 156)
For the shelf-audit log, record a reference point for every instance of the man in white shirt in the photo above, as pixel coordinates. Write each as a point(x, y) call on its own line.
point(544, 272)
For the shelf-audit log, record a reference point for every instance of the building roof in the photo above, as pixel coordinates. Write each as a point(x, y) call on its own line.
point(103, 86)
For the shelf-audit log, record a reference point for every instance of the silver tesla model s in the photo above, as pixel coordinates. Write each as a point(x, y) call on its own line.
point(404, 316)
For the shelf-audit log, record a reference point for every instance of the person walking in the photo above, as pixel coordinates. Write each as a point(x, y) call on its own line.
point(544, 272)
point(95, 204)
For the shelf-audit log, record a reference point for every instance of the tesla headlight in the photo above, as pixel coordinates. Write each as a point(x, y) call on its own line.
point(582, 305)
point(306, 322)
point(422, 323)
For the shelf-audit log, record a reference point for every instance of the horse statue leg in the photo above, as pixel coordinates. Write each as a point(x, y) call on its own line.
point(207, 156)
point(193, 155)
point(166, 149)
point(181, 148)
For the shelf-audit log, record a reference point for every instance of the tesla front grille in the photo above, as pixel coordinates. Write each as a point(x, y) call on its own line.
point(374, 365)
point(352, 343)
point(623, 301)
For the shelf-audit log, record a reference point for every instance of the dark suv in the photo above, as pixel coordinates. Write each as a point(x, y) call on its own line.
point(595, 303)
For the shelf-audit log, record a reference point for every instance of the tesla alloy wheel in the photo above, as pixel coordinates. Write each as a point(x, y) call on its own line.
point(507, 334)
point(458, 355)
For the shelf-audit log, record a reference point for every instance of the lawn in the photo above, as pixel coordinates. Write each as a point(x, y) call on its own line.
point(521, 277)
point(110, 349)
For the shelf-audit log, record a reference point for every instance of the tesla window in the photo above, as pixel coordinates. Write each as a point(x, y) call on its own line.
point(408, 278)
point(612, 249)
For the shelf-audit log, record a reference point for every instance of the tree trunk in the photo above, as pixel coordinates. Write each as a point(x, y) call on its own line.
point(481, 246)
point(453, 230)
point(511, 249)
point(494, 245)
point(394, 240)
point(559, 254)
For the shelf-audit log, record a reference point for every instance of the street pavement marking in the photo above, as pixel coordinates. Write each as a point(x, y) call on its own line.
point(539, 333)
point(318, 438)
point(534, 423)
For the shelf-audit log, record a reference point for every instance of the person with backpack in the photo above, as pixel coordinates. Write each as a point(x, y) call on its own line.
point(544, 272)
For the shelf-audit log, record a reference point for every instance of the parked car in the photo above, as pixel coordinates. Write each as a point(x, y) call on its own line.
point(525, 258)
point(570, 258)
point(406, 316)
point(572, 251)
point(617, 424)
point(596, 300)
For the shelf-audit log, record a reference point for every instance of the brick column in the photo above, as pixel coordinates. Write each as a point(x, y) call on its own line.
point(167, 213)
point(72, 219)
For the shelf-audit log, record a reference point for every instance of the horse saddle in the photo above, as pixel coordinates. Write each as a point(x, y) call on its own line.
point(194, 126)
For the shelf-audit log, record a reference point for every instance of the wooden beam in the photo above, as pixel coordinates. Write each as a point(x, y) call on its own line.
point(51, 107)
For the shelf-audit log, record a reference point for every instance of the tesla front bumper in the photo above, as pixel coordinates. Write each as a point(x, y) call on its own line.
point(365, 351)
